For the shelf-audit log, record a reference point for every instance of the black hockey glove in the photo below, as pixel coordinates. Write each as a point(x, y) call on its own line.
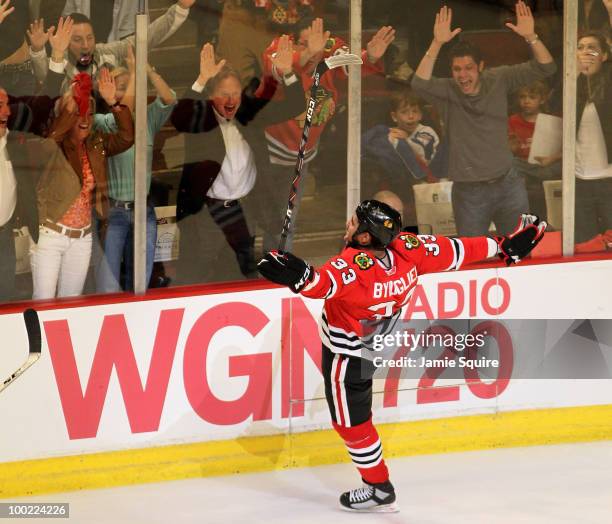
point(516, 246)
point(286, 269)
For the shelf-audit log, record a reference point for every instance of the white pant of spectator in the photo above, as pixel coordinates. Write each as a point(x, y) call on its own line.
point(59, 264)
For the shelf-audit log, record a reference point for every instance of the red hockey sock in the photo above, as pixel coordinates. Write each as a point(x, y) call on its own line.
point(365, 449)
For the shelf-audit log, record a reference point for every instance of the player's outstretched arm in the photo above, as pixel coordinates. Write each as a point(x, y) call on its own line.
point(433, 254)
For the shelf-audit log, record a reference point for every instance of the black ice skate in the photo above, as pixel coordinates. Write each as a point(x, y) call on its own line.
point(371, 498)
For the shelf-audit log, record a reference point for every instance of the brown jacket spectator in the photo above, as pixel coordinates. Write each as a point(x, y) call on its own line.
point(73, 185)
point(60, 185)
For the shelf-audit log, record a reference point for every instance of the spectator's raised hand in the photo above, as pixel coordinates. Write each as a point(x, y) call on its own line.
point(608, 5)
point(5, 10)
point(61, 38)
point(442, 26)
point(68, 103)
point(379, 43)
point(586, 61)
point(37, 35)
point(208, 65)
point(106, 86)
point(186, 4)
point(524, 20)
point(283, 58)
point(316, 38)
point(395, 133)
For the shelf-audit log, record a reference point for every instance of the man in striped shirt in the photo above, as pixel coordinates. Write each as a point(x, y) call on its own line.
point(371, 280)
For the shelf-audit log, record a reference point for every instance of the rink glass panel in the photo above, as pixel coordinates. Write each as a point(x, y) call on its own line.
point(217, 242)
point(235, 29)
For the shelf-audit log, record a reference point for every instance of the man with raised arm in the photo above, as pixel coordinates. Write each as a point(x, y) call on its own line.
point(84, 55)
point(474, 106)
point(311, 44)
point(227, 124)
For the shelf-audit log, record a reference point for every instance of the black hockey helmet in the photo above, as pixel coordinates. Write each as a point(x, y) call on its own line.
point(380, 220)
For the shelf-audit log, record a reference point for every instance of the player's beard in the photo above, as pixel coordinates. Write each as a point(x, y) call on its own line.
point(356, 245)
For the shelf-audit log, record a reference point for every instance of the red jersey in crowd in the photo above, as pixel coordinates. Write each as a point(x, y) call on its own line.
point(357, 287)
point(283, 139)
point(523, 131)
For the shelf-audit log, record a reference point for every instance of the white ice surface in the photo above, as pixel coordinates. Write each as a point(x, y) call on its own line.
point(552, 484)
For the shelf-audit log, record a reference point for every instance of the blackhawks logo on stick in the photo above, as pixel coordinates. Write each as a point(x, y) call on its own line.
point(410, 241)
point(363, 260)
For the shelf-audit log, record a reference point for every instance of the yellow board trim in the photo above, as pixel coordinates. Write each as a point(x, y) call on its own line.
point(274, 452)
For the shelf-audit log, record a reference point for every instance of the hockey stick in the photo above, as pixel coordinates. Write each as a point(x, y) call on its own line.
point(32, 324)
point(325, 65)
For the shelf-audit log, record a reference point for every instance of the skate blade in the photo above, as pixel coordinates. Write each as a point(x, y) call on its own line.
point(386, 508)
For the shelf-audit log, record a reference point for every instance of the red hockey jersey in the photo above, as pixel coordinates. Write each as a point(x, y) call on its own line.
point(522, 131)
point(284, 138)
point(357, 286)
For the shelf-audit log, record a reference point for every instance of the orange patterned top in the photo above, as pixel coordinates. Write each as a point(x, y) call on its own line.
point(78, 215)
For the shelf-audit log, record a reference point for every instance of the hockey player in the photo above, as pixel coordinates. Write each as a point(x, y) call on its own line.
point(372, 279)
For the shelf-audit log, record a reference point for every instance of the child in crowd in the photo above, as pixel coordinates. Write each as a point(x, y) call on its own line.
point(532, 100)
point(397, 157)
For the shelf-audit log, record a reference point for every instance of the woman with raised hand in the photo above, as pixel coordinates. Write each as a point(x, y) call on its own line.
point(72, 185)
point(594, 138)
point(118, 238)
